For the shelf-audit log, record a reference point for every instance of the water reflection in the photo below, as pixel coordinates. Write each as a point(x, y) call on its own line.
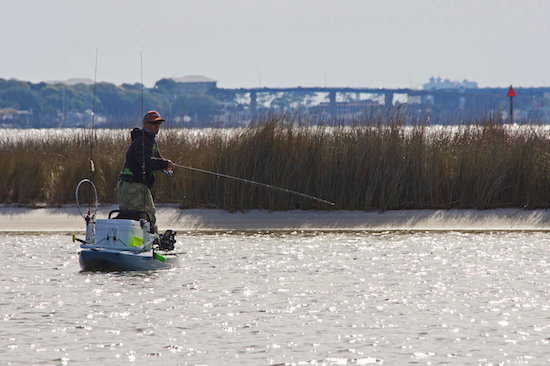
point(338, 298)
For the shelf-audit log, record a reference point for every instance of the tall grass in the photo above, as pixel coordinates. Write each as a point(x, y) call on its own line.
point(382, 161)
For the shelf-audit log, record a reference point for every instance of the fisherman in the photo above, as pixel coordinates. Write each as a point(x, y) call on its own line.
point(136, 182)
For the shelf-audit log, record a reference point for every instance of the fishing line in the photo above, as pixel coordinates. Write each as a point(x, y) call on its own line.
point(258, 184)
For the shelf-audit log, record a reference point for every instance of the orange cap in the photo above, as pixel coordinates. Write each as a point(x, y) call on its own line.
point(152, 116)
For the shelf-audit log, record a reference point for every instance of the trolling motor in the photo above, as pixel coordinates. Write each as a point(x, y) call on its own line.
point(167, 240)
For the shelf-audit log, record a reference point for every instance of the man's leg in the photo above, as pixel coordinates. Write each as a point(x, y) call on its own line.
point(136, 196)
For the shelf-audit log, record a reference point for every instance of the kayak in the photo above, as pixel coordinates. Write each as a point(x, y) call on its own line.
point(125, 242)
point(116, 244)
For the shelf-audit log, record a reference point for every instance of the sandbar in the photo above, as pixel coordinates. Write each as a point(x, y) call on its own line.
point(68, 219)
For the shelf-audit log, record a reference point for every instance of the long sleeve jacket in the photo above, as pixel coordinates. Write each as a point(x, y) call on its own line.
point(143, 146)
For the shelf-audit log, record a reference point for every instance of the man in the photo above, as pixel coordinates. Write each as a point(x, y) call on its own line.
point(134, 187)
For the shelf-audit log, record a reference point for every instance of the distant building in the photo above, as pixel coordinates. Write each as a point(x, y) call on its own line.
point(191, 83)
point(15, 117)
point(72, 81)
point(438, 84)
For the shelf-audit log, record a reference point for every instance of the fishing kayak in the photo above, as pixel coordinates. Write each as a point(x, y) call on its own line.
point(116, 244)
point(124, 242)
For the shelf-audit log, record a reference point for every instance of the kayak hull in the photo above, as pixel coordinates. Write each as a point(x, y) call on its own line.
point(104, 259)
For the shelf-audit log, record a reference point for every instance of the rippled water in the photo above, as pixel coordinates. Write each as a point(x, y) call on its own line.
point(350, 298)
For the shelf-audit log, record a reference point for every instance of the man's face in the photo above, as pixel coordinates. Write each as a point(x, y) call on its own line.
point(153, 127)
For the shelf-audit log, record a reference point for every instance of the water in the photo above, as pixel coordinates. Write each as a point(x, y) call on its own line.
point(195, 134)
point(297, 298)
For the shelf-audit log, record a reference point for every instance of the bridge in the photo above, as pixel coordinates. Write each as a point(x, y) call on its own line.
point(461, 97)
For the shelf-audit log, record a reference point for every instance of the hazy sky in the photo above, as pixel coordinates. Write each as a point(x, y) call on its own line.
point(248, 43)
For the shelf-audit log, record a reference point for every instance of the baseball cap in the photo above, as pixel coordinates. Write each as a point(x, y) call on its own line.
point(152, 116)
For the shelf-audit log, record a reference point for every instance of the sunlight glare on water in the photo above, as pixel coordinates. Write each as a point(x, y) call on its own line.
point(296, 298)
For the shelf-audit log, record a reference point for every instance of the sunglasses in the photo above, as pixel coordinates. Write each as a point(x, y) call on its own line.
point(155, 123)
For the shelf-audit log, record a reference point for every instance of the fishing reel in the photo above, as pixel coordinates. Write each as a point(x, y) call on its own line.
point(167, 240)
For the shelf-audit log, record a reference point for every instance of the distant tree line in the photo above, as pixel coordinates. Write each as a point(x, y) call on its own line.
point(46, 105)
point(60, 105)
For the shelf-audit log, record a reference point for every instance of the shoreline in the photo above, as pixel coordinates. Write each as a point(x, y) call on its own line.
point(16, 219)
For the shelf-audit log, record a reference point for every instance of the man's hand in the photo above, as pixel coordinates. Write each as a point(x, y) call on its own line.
point(170, 166)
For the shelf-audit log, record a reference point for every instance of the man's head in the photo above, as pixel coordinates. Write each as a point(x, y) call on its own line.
point(152, 121)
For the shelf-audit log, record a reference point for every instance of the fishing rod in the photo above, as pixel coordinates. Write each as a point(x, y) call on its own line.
point(258, 184)
point(143, 169)
point(92, 167)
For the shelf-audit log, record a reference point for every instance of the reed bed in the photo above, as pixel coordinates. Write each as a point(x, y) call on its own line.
point(382, 161)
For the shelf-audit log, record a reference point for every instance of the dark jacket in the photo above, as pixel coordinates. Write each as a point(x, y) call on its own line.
point(143, 145)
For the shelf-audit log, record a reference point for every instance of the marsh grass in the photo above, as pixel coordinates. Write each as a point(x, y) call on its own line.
point(382, 161)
